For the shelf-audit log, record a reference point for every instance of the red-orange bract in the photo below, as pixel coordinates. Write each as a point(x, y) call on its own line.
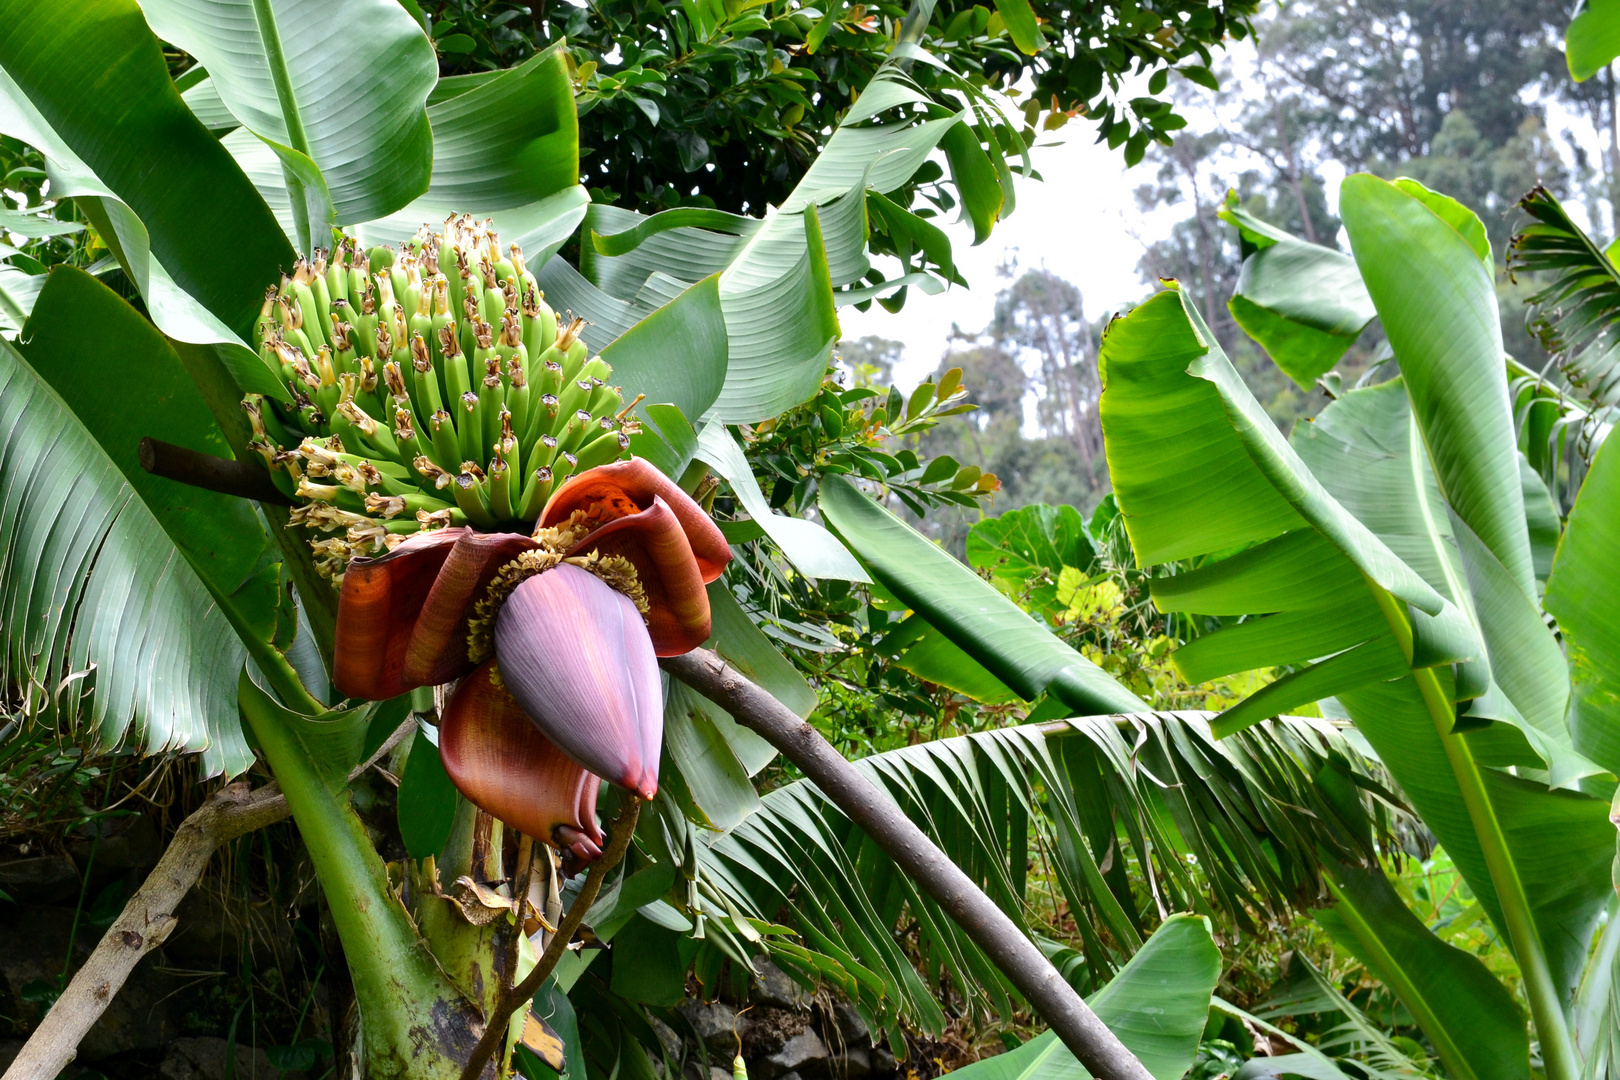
point(574, 655)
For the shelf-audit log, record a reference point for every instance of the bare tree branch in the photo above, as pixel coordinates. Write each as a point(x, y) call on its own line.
point(148, 918)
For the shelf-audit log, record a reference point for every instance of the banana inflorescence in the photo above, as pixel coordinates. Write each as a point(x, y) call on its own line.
point(431, 386)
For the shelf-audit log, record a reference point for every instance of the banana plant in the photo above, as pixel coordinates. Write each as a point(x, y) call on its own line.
point(1384, 557)
point(339, 368)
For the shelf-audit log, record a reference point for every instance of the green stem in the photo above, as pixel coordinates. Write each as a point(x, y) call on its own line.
point(1546, 1008)
point(415, 1024)
point(297, 137)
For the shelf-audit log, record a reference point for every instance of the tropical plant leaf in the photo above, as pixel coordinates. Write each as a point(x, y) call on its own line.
point(1367, 451)
point(505, 147)
point(777, 277)
point(965, 608)
point(1448, 340)
point(337, 91)
point(1304, 303)
point(1578, 311)
point(148, 393)
point(1580, 595)
point(1178, 424)
point(18, 291)
point(426, 806)
point(1472, 1021)
point(83, 83)
point(640, 356)
point(1158, 786)
point(1593, 38)
point(1026, 551)
point(103, 615)
point(1198, 469)
point(811, 548)
point(1157, 1004)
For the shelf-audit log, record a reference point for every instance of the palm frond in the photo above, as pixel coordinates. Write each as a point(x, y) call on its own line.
point(1096, 828)
point(1305, 991)
point(1576, 316)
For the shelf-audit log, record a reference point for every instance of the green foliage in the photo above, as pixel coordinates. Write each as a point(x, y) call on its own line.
point(1378, 501)
point(726, 105)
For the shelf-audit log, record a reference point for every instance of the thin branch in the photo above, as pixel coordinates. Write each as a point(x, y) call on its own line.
point(622, 829)
point(146, 922)
point(1097, 1048)
point(224, 475)
point(148, 918)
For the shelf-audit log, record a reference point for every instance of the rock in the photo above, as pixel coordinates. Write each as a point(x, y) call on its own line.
point(33, 944)
point(769, 1029)
point(856, 1063)
point(883, 1062)
point(715, 1025)
point(204, 1059)
point(211, 928)
point(43, 879)
point(125, 844)
point(851, 1029)
point(717, 1073)
point(666, 1036)
point(804, 1054)
point(773, 986)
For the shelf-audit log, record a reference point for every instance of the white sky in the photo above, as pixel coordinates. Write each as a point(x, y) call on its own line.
point(1081, 221)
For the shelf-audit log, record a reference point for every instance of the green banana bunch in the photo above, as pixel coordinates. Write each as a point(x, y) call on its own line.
point(431, 386)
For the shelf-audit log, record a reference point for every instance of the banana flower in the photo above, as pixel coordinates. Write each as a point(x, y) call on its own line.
point(554, 639)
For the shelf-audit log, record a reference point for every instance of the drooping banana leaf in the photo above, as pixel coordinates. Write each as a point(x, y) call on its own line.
point(1304, 303)
point(86, 85)
point(966, 609)
point(337, 92)
point(1156, 786)
point(103, 614)
point(1576, 313)
point(1157, 1004)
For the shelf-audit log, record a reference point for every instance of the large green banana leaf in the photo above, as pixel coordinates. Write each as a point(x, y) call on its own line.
point(1156, 787)
point(1158, 1005)
point(1200, 472)
point(1593, 38)
point(1581, 595)
point(1447, 337)
point(1470, 1018)
point(1367, 451)
point(337, 91)
point(104, 614)
point(87, 86)
point(1304, 303)
point(993, 631)
point(778, 278)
